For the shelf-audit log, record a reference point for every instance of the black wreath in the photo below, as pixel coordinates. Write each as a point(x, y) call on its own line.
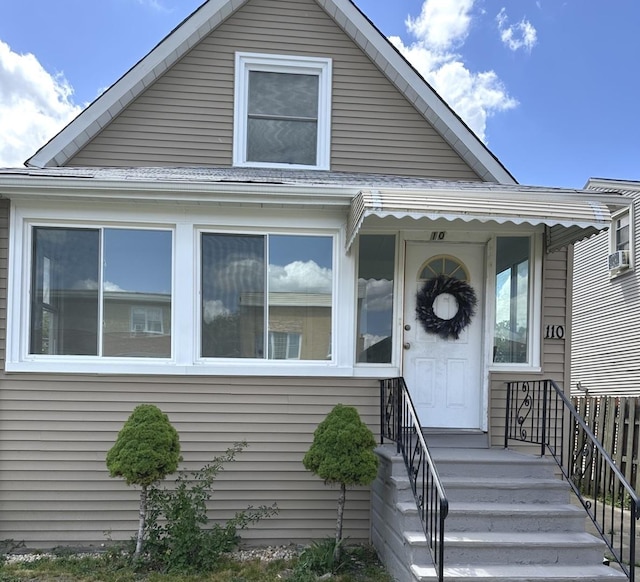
point(465, 296)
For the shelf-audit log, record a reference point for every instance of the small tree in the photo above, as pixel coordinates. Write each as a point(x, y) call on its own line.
point(342, 452)
point(147, 450)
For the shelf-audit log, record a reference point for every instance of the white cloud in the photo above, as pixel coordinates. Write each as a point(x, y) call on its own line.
point(443, 26)
point(155, 5)
point(376, 294)
point(34, 106)
point(300, 277)
point(521, 35)
point(214, 308)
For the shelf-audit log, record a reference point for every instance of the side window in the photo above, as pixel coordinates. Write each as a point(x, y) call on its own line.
point(621, 243)
point(513, 299)
point(266, 296)
point(101, 292)
point(374, 309)
point(282, 111)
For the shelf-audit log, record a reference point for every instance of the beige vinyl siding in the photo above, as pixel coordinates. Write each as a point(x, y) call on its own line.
point(55, 432)
point(606, 318)
point(556, 298)
point(186, 117)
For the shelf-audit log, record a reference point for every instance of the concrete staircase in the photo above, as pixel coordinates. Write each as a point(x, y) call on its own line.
point(510, 519)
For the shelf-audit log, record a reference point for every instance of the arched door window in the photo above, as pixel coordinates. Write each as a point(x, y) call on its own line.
point(443, 265)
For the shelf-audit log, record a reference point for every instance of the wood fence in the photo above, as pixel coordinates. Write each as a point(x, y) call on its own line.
point(615, 421)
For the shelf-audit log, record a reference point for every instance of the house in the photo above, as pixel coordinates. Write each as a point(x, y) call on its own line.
point(606, 291)
point(240, 230)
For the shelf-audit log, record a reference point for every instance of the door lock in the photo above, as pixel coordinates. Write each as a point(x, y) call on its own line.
point(406, 345)
point(407, 327)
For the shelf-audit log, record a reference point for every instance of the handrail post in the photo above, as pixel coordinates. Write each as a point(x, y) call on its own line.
point(632, 536)
point(398, 390)
point(545, 384)
point(507, 417)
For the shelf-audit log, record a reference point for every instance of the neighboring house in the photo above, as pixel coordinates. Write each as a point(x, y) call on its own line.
point(605, 354)
point(236, 231)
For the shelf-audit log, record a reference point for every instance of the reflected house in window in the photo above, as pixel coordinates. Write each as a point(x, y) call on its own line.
point(137, 324)
point(299, 326)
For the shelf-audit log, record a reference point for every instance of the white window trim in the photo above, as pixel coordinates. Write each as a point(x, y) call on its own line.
point(246, 62)
point(613, 243)
point(185, 297)
point(534, 348)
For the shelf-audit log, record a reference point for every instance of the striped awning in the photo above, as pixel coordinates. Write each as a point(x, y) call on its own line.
point(568, 218)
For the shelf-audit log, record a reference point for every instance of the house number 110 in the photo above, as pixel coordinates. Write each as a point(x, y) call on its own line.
point(554, 332)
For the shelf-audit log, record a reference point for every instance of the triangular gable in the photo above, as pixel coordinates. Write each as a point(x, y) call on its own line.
point(207, 18)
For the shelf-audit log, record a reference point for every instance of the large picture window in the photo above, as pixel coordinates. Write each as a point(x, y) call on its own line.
point(100, 292)
point(282, 111)
point(272, 291)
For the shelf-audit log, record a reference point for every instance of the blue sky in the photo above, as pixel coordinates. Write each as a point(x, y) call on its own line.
point(550, 85)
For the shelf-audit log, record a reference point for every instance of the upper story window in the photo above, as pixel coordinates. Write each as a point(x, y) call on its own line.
point(282, 111)
point(621, 243)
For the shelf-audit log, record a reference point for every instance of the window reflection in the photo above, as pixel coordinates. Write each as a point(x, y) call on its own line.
point(376, 263)
point(511, 341)
point(68, 286)
point(137, 293)
point(237, 310)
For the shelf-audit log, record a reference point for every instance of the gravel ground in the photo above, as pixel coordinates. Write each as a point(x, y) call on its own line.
point(265, 554)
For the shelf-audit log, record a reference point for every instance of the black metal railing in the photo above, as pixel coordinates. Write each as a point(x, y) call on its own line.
point(400, 424)
point(539, 413)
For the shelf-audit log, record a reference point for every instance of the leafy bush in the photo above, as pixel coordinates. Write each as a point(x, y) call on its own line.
point(147, 450)
point(178, 539)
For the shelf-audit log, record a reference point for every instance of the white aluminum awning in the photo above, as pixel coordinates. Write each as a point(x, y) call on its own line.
point(568, 217)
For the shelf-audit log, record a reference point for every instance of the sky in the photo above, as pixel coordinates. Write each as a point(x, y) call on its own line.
point(550, 86)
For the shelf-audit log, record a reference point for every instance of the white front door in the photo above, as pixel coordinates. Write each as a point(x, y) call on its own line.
point(444, 376)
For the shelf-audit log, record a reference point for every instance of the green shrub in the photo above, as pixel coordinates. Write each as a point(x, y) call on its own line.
point(178, 539)
point(147, 450)
point(342, 452)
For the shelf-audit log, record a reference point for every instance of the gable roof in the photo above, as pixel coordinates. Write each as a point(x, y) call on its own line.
point(207, 18)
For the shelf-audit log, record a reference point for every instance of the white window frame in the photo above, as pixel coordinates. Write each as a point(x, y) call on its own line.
point(247, 62)
point(613, 239)
point(533, 363)
point(185, 313)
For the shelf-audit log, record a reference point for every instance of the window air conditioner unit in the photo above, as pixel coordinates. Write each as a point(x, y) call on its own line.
point(618, 260)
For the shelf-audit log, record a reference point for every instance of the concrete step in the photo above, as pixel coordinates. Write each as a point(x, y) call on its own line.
point(466, 439)
point(506, 517)
point(507, 490)
point(500, 548)
point(491, 463)
point(520, 573)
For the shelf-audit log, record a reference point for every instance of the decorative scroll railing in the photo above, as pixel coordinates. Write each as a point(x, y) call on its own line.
point(400, 424)
point(539, 413)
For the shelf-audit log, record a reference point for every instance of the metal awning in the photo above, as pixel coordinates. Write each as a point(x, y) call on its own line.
point(567, 217)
